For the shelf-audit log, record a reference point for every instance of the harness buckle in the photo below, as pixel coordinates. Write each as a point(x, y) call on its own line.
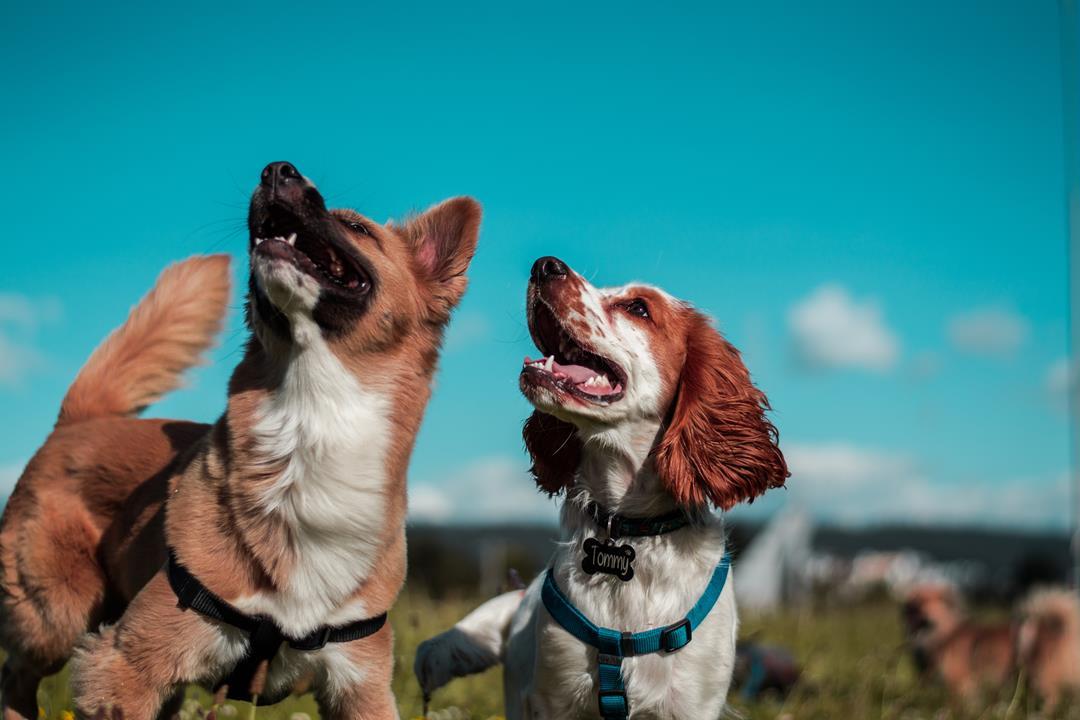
point(324, 637)
point(626, 645)
point(614, 703)
point(313, 642)
point(605, 659)
point(669, 643)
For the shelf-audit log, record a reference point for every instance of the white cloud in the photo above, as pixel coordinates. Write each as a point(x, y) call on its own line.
point(842, 466)
point(832, 329)
point(16, 360)
point(18, 309)
point(486, 490)
point(20, 317)
point(925, 365)
point(430, 504)
point(851, 485)
point(988, 331)
point(1061, 378)
point(9, 474)
point(837, 482)
point(466, 329)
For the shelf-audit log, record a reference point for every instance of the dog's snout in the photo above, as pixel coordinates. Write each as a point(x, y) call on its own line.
point(279, 173)
point(282, 183)
point(549, 268)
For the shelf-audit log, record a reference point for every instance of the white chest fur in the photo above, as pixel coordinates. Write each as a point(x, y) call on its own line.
point(671, 573)
point(332, 434)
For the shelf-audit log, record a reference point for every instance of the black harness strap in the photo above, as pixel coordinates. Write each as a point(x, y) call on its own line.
point(266, 636)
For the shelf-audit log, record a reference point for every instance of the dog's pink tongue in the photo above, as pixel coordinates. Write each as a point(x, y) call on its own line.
point(576, 373)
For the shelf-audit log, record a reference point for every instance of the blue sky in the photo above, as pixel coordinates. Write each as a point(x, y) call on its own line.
point(867, 196)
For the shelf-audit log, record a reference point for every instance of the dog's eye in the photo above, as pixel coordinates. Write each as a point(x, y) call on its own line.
point(357, 227)
point(638, 308)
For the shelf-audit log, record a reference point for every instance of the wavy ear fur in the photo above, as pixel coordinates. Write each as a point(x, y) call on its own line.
point(719, 446)
point(555, 450)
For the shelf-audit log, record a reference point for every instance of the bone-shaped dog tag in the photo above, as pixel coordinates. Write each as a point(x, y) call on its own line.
point(608, 558)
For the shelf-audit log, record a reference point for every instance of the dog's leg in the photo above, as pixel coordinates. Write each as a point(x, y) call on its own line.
point(369, 703)
point(171, 708)
point(52, 590)
point(471, 646)
point(356, 679)
point(155, 648)
point(18, 691)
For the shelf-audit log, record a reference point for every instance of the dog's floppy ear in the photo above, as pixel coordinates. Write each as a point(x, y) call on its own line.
point(555, 450)
point(718, 446)
point(443, 239)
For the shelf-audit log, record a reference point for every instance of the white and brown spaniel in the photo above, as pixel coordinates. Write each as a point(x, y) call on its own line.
point(647, 419)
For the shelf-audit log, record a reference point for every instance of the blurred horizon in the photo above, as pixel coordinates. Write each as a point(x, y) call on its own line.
point(869, 200)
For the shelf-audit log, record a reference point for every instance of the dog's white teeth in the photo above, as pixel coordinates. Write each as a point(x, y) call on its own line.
point(597, 381)
point(549, 364)
point(259, 241)
point(291, 239)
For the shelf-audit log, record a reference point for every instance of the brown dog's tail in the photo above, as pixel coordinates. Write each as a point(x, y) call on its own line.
point(164, 335)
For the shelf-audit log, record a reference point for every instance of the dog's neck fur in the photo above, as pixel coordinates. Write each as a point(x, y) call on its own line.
point(617, 471)
point(317, 465)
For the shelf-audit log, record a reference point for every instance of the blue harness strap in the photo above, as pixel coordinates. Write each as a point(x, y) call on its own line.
point(612, 645)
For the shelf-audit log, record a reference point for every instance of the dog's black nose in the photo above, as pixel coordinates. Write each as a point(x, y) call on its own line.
point(282, 184)
point(549, 268)
point(279, 173)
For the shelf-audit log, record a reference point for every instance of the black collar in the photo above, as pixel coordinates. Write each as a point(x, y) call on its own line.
point(616, 525)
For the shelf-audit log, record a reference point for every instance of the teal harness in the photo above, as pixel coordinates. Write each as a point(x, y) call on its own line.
point(613, 645)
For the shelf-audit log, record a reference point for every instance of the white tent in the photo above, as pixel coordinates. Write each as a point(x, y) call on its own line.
point(771, 572)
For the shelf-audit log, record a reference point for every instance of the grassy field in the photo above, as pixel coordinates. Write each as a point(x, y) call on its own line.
point(854, 668)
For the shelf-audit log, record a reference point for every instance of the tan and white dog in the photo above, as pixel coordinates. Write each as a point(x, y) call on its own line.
point(643, 408)
point(290, 507)
point(975, 659)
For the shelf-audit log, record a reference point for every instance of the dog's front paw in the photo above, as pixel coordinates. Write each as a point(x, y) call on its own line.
point(447, 656)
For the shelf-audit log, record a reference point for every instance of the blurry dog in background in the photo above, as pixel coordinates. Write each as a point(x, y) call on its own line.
point(970, 656)
point(1048, 644)
point(966, 655)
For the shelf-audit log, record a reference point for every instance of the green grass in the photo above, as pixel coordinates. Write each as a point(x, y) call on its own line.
point(853, 660)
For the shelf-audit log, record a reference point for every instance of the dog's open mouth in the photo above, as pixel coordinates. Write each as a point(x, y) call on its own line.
point(915, 620)
point(321, 257)
point(567, 365)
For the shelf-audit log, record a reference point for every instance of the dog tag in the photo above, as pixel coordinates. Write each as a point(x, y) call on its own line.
point(608, 558)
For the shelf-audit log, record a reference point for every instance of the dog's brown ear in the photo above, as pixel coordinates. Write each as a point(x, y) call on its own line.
point(444, 240)
point(555, 450)
point(718, 447)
